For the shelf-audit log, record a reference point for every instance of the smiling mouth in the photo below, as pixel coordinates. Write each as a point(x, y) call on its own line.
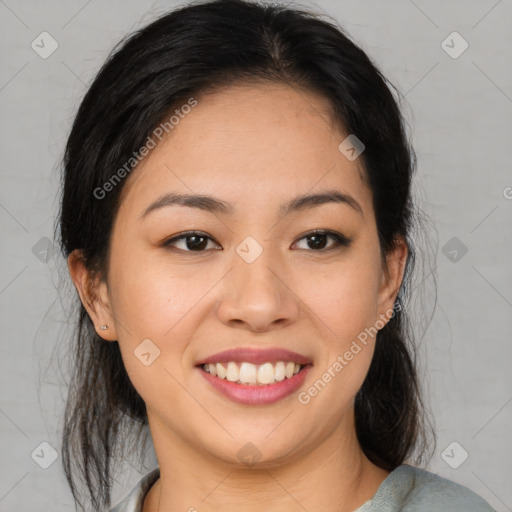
point(253, 375)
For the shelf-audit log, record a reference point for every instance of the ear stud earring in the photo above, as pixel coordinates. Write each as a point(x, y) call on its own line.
point(104, 327)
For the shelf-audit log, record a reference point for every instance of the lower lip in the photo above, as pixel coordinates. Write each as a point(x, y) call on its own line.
point(257, 395)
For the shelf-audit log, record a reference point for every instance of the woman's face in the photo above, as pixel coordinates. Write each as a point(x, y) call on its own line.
point(255, 281)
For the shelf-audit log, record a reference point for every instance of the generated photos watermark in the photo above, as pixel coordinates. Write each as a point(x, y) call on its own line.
point(158, 133)
point(304, 397)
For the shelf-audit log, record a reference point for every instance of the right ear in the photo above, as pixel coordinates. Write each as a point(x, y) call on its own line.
point(94, 295)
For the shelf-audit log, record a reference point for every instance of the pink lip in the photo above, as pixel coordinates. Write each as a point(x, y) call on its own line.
point(255, 356)
point(257, 395)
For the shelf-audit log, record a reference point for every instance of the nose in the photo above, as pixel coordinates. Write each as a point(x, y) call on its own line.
point(256, 296)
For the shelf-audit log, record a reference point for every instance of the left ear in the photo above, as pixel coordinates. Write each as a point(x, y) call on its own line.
point(392, 276)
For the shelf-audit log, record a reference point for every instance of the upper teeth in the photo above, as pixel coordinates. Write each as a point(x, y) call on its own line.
point(248, 373)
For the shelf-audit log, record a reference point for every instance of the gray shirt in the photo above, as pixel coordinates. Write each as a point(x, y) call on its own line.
point(406, 488)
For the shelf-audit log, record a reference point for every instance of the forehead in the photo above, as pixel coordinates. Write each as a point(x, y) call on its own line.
point(253, 144)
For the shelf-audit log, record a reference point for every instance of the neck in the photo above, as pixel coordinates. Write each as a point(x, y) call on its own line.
point(335, 475)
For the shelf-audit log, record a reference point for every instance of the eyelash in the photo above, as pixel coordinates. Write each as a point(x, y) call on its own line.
point(339, 239)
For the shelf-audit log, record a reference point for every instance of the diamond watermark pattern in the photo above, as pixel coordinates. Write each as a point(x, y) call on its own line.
point(249, 454)
point(454, 249)
point(44, 455)
point(44, 45)
point(454, 455)
point(249, 249)
point(44, 249)
point(454, 45)
point(146, 352)
point(351, 147)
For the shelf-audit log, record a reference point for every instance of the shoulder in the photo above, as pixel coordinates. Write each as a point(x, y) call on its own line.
point(133, 501)
point(415, 489)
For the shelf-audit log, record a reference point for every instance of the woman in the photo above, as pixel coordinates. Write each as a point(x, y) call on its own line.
point(236, 215)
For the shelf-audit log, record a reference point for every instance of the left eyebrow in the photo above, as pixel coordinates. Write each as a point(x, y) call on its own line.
point(215, 205)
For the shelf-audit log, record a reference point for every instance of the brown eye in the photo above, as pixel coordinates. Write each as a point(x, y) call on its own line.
point(195, 241)
point(317, 240)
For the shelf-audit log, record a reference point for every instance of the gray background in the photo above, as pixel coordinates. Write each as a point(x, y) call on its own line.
point(459, 110)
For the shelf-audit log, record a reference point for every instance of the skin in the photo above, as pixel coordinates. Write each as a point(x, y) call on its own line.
point(254, 146)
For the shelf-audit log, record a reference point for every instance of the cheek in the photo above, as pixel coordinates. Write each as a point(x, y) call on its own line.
point(153, 300)
point(345, 301)
point(151, 296)
point(344, 296)
point(146, 305)
point(156, 312)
